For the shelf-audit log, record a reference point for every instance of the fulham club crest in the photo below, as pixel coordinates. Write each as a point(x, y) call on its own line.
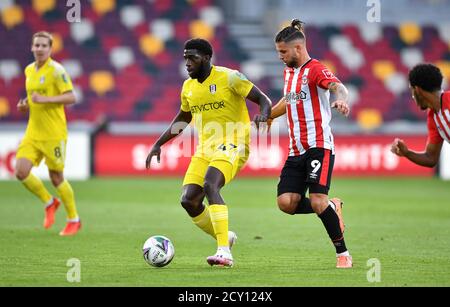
point(212, 88)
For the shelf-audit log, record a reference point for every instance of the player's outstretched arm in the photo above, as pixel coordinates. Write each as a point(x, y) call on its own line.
point(341, 101)
point(179, 123)
point(66, 98)
point(265, 104)
point(428, 158)
point(278, 109)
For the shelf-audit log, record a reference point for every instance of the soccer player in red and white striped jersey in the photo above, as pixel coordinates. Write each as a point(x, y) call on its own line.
point(425, 82)
point(307, 87)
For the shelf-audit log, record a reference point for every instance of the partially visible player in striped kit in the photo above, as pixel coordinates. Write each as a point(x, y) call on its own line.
point(307, 87)
point(425, 82)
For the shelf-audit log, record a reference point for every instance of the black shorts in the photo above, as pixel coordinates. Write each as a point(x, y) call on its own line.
point(312, 171)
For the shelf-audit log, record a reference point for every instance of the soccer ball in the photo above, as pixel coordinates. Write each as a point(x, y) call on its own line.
point(158, 251)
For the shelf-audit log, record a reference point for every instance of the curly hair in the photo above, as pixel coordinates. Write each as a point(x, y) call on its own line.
point(426, 76)
point(202, 45)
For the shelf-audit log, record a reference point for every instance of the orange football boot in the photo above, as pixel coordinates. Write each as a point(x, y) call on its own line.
point(344, 262)
point(50, 211)
point(71, 229)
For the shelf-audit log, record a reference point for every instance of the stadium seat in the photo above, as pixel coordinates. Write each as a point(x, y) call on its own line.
point(132, 15)
point(58, 43)
point(82, 31)
point(102, 7)
point(101, 82)
point(370, 32)
point(43, 6)
point(4, 107)
point(382, 69)
point(340, 44)
point(151, 45)
point(369, 119)
point(5, 4)
point(12, 16)
point(199, 28)
point(353, 94)
point(212, 16)
point(444, 31)
point(353, 59)
point(162, 29)
point(411, 56)
point(121, 57)
point(410, 33)
point(444, 66)
point(396, 83)
point(9, 69)
point(252, 70)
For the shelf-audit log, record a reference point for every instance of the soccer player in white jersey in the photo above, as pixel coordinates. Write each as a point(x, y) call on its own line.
point(307, 87)
point(425, 82)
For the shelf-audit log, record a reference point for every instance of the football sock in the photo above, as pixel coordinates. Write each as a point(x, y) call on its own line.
point(50, 202)
point(225, 249)
point(343, 254)
point(66, 193)
point(36, 186)
point(219, 219)
point(304, 206)
point(203, 221)
point(331, 222)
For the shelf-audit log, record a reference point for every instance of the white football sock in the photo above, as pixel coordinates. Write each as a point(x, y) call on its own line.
point(346, 253)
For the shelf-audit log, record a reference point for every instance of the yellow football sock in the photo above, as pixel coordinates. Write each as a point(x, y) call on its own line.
point(36, 186)
point(219, 219)
point(203, 221)
point(66, 193)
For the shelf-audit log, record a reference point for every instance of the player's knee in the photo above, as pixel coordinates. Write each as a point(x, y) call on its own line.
point(287, 206)
point(56, 182)
point(21, 174)
point(210, 188)
point(187, 203)
point(319, 204)
point(56, 179)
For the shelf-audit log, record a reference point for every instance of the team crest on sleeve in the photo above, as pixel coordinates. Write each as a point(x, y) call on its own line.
point(212, 88)
point(63, 76)
point(328, 74)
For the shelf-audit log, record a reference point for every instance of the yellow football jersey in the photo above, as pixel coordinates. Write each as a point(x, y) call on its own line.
point(47, 121)
point(218, 108)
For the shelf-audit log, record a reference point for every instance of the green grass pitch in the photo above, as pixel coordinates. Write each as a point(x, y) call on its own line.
point(402, 222)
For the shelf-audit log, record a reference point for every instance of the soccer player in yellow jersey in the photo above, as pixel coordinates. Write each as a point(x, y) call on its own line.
point(214, 98)
point(49, 89)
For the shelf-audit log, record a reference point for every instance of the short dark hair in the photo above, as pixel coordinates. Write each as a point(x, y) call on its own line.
point(292, 32)
point(426, 76)
point(202, 45)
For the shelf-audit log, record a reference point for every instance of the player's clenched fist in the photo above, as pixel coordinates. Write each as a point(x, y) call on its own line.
point(22, 105)
point(399, 147)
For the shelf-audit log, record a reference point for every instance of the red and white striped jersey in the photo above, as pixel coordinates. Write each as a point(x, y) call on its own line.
point(439, 122)
point(308, 107)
